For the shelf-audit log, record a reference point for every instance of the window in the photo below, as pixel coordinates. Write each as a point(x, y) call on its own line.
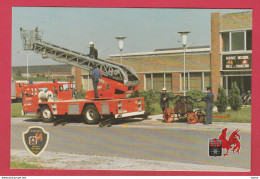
point(158, 80)
point(249, 40)
point(237, 41)
point(225, 41)
point(43, 89)
point(148, 81)
point(207, 80)
point(66, 87)
point(195, 81)
point(28, 92)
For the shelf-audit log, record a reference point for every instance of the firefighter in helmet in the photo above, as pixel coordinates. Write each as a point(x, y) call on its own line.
point(93, 53)
point(164, 103)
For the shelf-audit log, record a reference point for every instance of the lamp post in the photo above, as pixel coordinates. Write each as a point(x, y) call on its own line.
point(27, 64)
point(184, 37)
point(121, 45)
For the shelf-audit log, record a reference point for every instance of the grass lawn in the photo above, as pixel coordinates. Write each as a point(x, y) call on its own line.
point(243, 115)
point(16, 110)
point(18, 165)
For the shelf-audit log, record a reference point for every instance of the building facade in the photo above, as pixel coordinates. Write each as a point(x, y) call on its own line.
point(228, 59)
point(231, 49)
point(164, 68)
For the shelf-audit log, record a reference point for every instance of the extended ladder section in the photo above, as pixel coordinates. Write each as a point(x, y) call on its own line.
point(32, 40)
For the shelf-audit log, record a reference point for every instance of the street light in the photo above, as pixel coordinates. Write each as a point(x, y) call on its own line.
point(121, 45)
point(184, 37)
point(27, 64)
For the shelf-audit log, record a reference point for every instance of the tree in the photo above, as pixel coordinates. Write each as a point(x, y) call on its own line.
point(18, 73)
point(222, 100)
point(235, 100)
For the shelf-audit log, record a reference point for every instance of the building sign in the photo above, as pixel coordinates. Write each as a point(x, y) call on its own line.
point(236, 62)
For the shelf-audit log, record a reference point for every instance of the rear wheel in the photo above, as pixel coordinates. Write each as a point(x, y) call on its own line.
point(90, 114)
point(201, 116)
point(46, 114)
point(192, 118)
point(168, 115)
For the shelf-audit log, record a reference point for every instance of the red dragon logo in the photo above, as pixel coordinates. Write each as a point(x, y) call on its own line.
point(232, 143)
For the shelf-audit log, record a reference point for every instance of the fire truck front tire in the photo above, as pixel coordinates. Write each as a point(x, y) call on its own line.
point(46, 114)
point(90, 114)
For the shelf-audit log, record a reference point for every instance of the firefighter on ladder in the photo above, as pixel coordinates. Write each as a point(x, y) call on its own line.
point(93, 53)
point(96, 76)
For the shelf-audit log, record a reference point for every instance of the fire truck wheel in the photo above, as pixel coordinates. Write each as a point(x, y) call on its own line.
point(46, 114)
point(90, 114)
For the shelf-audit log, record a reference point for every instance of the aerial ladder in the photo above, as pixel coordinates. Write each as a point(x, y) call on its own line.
point(117, 79)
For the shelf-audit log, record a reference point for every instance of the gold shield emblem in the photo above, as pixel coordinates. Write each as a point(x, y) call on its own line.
point(35, 140)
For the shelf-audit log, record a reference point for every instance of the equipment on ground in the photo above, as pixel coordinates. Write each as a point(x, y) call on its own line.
point(184, 110)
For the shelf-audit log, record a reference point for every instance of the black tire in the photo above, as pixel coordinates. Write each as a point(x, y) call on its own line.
point(46, 114)
point(90, 114)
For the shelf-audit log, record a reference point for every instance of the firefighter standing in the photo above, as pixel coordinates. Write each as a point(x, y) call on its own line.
point(164, 103)
point(96, 76)
point(209, 100)
point(93, 53)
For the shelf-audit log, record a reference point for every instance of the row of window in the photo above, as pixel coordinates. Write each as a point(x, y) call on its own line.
point(193, 81)
point(157, 81)
point(236, 41)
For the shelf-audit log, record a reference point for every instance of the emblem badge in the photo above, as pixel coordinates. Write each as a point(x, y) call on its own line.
point(215, 147)
point(35, 140)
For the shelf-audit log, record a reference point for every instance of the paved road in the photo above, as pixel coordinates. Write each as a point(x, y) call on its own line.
point(136, 139)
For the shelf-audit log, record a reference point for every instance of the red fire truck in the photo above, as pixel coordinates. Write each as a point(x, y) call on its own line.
point(55, 99)
point(17, 87)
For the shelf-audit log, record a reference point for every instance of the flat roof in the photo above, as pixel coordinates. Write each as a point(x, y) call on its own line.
point(197, 49)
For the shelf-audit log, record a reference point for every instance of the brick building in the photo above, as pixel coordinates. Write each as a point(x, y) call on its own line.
point(227, 59)
point(164, 68)
point(231, 50)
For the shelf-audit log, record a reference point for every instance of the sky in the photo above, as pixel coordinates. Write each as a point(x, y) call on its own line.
point(146, 29)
